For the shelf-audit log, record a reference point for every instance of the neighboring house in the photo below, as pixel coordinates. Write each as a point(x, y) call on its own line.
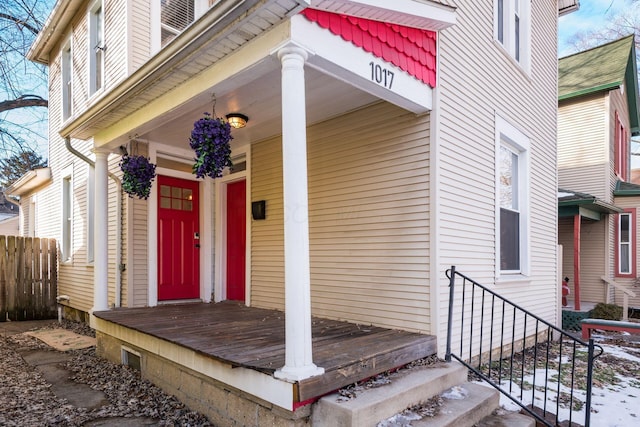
point(9, 217)
point(597, 115)
point(25, 189)
point(425, 143)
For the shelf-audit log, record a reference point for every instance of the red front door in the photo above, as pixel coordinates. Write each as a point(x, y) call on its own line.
point(236, 240)
point(178, 239)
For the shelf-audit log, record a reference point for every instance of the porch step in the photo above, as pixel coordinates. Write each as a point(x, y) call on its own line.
point(406, 389)
point(502, 418)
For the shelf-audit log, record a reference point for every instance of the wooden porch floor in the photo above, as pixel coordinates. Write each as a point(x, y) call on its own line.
point(254, 338)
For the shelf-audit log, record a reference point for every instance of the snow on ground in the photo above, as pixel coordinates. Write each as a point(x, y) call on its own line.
point(615, 402)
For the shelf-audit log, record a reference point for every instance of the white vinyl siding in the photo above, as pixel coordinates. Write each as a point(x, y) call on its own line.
point(465, 159)
point(583, 158)
point(368, 219)
point(90, 213)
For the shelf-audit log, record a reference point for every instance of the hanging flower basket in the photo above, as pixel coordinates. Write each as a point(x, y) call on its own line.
point(210, 139)
point(138, 175)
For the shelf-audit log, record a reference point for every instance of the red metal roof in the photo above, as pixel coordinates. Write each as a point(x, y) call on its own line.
point(411, 49)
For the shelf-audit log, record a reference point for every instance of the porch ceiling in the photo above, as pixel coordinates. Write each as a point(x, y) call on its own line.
point(260, 100)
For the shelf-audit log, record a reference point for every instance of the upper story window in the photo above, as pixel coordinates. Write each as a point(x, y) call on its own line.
point(621, 150)
point(66, 81)
point(512, 170)
point(96, 47)
point(175, 16)
point(512, 28)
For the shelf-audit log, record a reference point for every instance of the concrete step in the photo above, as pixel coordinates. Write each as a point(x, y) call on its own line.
point(464, 406)
point(502, 418)
point(407, 388)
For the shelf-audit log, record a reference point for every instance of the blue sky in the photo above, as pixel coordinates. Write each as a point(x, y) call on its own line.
point(593, 15)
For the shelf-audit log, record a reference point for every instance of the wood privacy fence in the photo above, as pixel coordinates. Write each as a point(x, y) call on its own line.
point(28, 278)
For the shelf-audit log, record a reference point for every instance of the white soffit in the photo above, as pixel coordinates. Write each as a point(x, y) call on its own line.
point(341, 59)
point(423, 14)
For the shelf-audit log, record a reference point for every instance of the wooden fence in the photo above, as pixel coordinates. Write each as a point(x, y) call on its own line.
point(28, 278)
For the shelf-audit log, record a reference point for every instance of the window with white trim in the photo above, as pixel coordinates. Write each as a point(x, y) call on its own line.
point(66, 81)
point(96, 47)
point(512, 28)
point(512, 195)
point(176, 16)
point(625, 233)
point(67, 212)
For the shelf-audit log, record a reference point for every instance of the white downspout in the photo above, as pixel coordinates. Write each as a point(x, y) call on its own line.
point(116, 180)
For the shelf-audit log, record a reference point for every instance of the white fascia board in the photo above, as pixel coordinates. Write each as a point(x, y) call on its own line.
point(418, 14)
point(27, 182)
point(343, 60)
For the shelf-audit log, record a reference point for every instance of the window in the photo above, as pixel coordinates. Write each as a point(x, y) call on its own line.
point(512, 194)
point(621, 151)
point(66, 81)
point(625, 245)
point(175, 16)
point(96, 47)
point(511, 28)
point(66, 218)
point(91, 202)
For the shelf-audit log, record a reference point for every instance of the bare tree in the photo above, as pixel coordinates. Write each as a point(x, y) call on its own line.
point(23, 84)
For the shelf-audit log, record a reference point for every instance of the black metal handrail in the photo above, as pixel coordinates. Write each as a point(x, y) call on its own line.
point(488, 323)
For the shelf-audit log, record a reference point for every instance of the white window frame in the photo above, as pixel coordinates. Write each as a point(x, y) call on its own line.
point(512, 29)
point(66, 226)
point(199, 9)
point(66, 83)
point(507, 135)
point(620, 243)
point(96, 46)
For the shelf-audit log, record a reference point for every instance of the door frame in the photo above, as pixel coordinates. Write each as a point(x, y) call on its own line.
point(205, 190)
point(220, 287)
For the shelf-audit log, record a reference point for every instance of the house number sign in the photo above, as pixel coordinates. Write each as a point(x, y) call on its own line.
point(381, 75)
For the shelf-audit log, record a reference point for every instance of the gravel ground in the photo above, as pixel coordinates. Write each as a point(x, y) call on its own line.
point(27, 400)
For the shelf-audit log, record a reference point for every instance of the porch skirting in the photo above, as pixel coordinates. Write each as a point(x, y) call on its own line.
point(220, 403)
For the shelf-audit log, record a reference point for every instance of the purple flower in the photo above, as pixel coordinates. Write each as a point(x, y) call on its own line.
point(138, 174)
point(210, 139)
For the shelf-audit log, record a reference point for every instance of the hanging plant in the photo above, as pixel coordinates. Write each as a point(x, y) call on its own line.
point(138, 175)
point(210, 139)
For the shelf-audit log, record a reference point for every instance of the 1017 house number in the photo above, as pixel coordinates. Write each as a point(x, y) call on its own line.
point(381, 75)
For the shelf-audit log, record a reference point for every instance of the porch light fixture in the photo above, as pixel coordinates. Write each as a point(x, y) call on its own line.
point(237, 120)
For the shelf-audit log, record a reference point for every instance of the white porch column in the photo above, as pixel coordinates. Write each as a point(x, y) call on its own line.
point(298, 353)
point(101, 236)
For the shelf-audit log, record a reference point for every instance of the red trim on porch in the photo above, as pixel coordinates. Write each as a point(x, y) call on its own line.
point(576, 261)
point(411, 49)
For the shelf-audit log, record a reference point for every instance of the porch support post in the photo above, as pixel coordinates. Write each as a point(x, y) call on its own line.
point(101, 254)
point(297, 279)
point(576, 261)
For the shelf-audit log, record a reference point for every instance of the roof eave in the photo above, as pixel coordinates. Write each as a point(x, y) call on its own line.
point(588, 91)
point(567, 6)
point(53, 30)
point(28, 182)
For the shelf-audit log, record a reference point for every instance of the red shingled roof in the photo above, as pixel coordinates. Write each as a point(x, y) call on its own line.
point(412, 50)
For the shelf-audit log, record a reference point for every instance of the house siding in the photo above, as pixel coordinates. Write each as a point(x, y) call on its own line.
point(368, 225)
point(115, 40)
point(466, 175)
point(139, 42)
point(583, 157)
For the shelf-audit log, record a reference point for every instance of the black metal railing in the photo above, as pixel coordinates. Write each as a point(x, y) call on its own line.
point(523, 356)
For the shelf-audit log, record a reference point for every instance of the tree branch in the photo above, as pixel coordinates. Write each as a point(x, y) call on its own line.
point(22, 102)
point(20, 22)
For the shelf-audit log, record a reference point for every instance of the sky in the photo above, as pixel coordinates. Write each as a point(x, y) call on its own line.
point(592, 15)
